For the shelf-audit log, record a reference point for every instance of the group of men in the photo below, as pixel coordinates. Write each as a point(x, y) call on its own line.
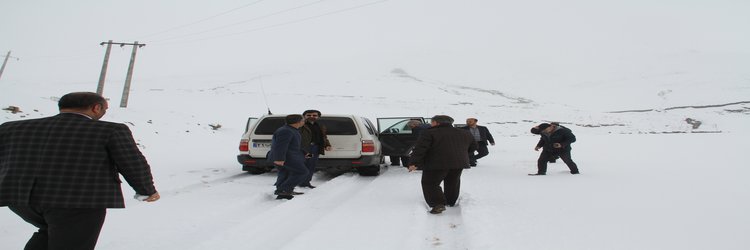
point(481, 135)
point(61, 173)
point(295, 150)
point(440, 154)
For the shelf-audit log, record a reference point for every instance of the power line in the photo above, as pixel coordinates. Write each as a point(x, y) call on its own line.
point(204, 19)
point(286, 23)
point(242, 22)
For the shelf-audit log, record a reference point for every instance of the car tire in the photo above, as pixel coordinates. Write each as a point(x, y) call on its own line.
point(257, 171)
point(369, 171)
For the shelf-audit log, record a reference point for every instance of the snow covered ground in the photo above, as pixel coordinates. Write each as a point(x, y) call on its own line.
point(648, 183)
point(623, 75)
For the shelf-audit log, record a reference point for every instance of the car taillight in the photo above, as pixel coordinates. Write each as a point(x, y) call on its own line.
point(368, 146)
point(244, 145)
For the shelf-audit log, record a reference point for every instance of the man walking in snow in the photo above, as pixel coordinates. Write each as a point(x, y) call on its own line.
point(61, 173)
point(555, 141)
point(441, 154)
point(482, 135)
point(287, 156)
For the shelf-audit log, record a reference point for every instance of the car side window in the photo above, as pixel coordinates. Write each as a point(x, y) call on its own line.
point(396, 125)
point(369, 126)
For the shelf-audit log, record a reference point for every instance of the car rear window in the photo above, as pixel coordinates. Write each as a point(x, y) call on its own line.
point(339, 125)
point(269, 125)
point(334, 125)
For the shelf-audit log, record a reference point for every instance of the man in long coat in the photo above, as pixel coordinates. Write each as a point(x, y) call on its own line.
point(286, 154)
point(441, 154)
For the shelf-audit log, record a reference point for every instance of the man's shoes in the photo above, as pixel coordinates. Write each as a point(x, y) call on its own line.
point(283, 196)
point(280, 194)
point(437, 209)
point(310, 186)
point(537, 174)
point(575, 172)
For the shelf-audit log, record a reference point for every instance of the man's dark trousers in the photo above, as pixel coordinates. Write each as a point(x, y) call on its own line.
point(290, 175)
point(482, 151)
point(546, 155)
point(433, 194)
point(310, 164)
point(62, 228)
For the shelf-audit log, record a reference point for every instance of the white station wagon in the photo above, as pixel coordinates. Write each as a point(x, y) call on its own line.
point(354, 142)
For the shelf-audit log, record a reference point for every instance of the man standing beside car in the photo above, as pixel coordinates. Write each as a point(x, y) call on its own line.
point(441, 153)
point(287, 156)
point(314, 143)
point(62, 173)
point(482, 135)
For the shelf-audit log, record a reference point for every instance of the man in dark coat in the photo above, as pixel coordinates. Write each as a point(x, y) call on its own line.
point(555, 141)
point(314, 143)
point(482, 135)
point(61, 173)
point(286, 154)
point(441, 153)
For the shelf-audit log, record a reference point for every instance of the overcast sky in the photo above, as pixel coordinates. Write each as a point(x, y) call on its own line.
point(471, 41)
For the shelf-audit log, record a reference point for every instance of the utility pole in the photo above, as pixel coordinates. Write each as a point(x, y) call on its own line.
point(126, 89)
point(6, 62)
point(103, 74)
point(100, 87)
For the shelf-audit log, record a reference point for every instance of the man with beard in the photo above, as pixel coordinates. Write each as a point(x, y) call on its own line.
point(314, 143)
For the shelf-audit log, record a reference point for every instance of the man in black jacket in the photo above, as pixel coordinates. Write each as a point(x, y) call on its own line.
point(441, 152)
point(482, 135)
point(314, 143)
point(555, 141)
point(61, 173)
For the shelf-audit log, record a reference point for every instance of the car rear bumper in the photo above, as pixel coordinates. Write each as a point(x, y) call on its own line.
point(249, 162)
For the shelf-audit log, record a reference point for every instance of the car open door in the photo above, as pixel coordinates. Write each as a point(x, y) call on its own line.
point(396, 138)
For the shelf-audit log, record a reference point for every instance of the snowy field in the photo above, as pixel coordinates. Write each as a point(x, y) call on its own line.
point(625, 76)
point(652, 182)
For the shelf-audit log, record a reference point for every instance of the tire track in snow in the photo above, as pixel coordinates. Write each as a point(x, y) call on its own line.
point(286, 219)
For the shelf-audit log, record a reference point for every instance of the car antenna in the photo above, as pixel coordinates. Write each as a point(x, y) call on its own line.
point(263, 90)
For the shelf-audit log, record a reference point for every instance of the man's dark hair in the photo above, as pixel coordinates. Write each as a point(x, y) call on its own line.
point(311, 111)
point(80, 100)
point(443, 119)
point(292, 119)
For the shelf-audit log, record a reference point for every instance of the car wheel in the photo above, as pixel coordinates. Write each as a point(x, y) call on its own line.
point(369, 171)
point(257, 170)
